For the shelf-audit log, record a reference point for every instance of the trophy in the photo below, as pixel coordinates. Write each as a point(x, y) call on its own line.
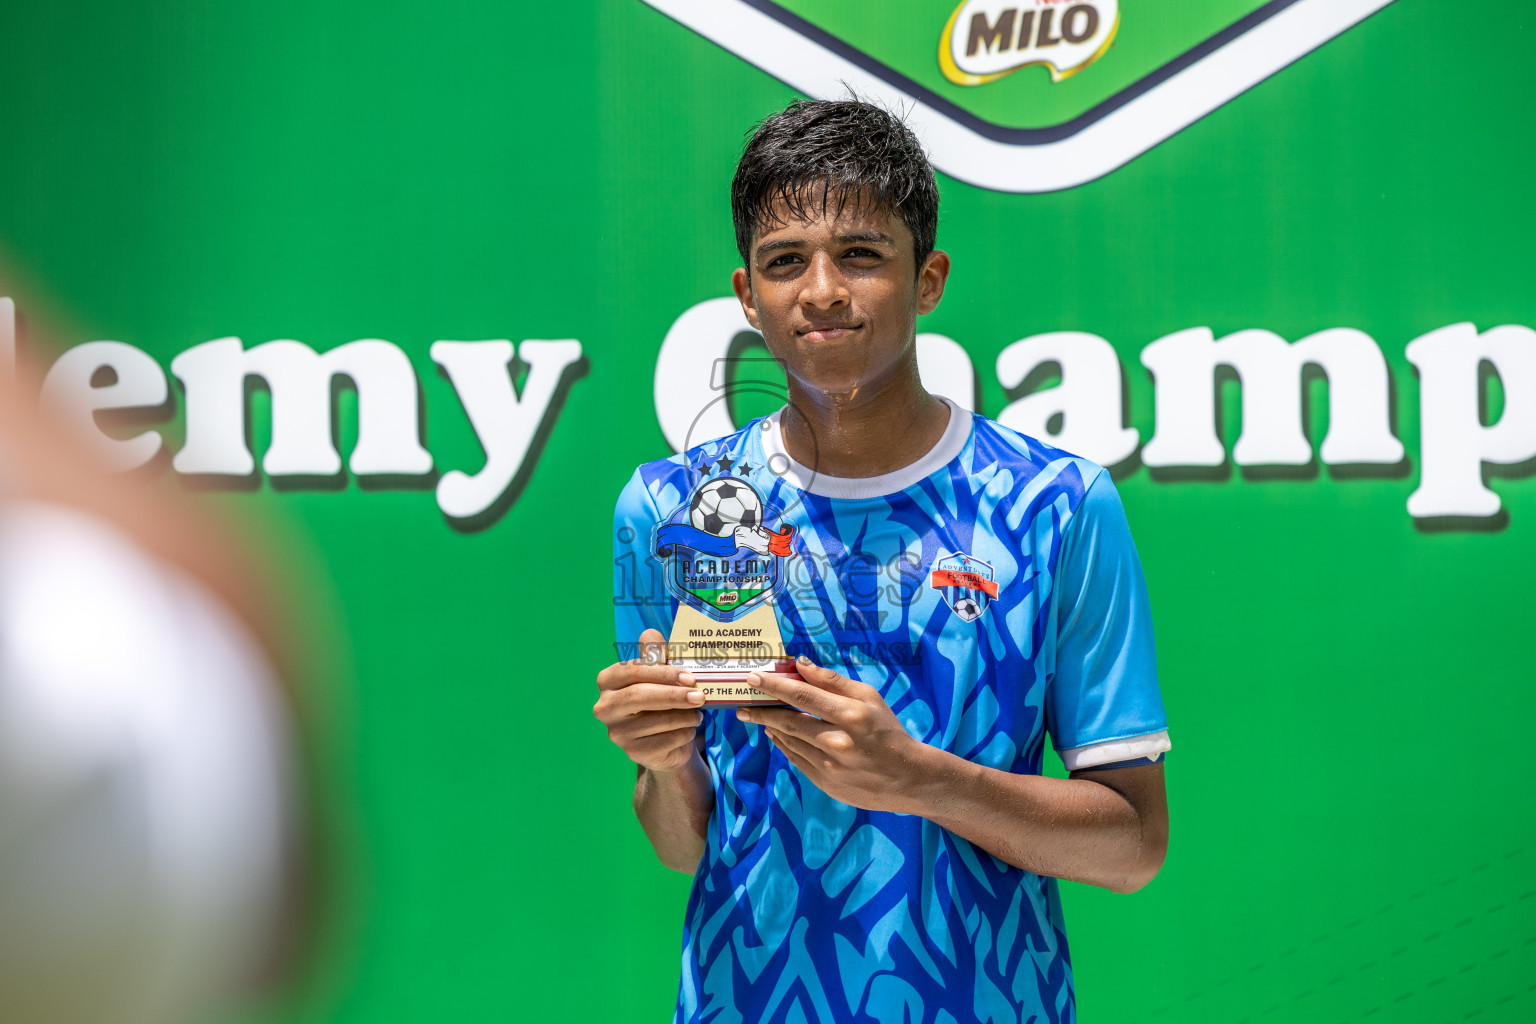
point(723, 564)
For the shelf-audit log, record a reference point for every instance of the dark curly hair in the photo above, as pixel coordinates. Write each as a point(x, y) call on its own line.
point(833, 155)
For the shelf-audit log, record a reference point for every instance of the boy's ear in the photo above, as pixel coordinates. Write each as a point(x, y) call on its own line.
point(931, 280)
point(741, 283)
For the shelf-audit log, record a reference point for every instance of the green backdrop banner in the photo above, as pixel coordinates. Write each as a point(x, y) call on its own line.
point(1272, 263)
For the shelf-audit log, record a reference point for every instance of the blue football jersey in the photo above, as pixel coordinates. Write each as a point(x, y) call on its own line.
point(991, 593)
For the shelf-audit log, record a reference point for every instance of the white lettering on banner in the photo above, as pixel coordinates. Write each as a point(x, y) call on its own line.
point(1455, 443)
point(505, 422)
point(1088, 399)
point(139, 384)
point(1183, 366)
point(214, 373)
point(945, 369)
point(686, 401)
point(508, 422)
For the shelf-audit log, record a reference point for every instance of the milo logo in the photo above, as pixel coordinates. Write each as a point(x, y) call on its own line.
point(989, 39)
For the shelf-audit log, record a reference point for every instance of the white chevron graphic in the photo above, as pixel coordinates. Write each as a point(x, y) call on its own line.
point(963, 152)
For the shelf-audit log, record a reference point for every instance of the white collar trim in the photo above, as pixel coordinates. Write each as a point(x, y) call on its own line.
point(783, 465)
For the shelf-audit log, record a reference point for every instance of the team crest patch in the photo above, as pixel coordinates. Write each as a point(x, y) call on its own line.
point(967, 584)
point(721, 551)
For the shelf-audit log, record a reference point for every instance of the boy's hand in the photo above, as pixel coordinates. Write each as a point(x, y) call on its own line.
point(854, 749)
point(650, 708)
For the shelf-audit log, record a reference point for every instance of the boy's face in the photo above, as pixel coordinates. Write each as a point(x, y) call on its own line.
point(837, 297)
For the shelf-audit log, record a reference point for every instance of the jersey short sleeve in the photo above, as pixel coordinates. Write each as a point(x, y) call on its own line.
point(1103, 705)
point(640, 599)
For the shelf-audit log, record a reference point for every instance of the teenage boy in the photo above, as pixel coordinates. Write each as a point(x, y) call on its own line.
point(886, 847)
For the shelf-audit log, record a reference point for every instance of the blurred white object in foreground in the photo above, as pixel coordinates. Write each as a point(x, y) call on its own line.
point(145, 800)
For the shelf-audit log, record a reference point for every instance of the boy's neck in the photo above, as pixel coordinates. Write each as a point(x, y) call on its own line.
point(863, 433)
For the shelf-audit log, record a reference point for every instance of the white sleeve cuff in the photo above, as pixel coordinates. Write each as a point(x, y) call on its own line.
point(1115, 750)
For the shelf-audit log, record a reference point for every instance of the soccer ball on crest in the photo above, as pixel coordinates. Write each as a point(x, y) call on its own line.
point(967, 609)
point(723, 504)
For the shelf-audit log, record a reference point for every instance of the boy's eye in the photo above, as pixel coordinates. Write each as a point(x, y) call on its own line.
point(862, 254)
point(784, 261)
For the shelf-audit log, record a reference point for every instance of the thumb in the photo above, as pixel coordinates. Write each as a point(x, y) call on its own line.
point(825, 678)
point(653, 647)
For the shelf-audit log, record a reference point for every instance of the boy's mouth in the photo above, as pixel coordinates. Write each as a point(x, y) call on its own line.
point(828, 332)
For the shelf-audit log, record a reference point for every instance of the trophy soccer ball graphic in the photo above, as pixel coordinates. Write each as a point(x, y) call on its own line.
point(722, 505)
